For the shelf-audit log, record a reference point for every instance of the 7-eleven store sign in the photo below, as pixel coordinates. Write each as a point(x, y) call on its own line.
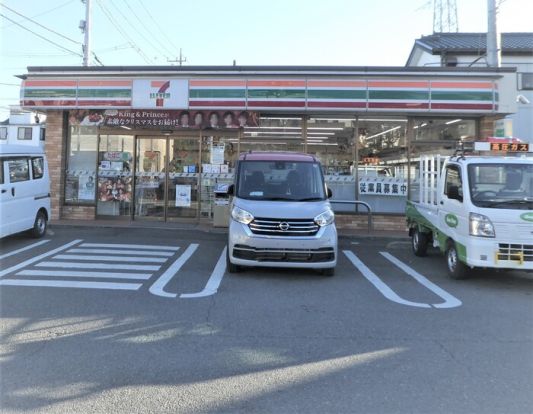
point(164, 93)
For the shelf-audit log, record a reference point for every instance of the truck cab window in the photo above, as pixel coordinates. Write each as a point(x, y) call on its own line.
point(453, 186)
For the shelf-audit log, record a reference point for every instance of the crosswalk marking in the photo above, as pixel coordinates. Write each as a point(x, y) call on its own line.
point(110, 258)
point(129, 251)
point(37, 258)
point(23, 249)
point(106, 266)
point(132, 246)
point(71, 284)
point(73, 273)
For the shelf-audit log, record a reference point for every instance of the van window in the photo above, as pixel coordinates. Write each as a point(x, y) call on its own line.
point(18, 170)
point(37, 168)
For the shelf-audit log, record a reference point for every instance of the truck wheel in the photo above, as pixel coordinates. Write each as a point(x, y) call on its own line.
point(39, 226)
point(232, 268)
point(419, 242)
point(330, 271)
point(456, 269)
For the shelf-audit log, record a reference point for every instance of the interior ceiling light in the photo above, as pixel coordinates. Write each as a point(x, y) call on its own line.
point(453, 121)
point(384, 132)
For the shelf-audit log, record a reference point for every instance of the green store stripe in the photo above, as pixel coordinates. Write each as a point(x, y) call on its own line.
point(415, 95)
point(49, 93)
point(104, 93)
point(336, 94)
point(217, 93)
point(276, 93)
point(461, 96)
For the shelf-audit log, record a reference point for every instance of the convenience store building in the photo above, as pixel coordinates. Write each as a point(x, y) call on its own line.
point(151, 143)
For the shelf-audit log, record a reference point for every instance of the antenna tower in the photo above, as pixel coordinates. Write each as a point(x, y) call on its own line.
point(445, 16)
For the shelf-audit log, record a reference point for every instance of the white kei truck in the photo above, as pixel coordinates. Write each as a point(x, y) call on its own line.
point(478, 210)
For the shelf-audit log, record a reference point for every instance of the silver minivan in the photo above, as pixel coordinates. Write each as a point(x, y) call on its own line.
point(280, 214)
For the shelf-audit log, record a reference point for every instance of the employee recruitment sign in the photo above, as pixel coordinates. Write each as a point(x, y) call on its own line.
point(385, 186)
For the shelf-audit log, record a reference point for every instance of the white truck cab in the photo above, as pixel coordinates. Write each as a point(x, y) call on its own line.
point(477, 210)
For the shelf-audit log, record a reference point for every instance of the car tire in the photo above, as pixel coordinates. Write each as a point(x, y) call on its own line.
point(39, 225)
point(456, 269)
point(330, 271)
point(232, 268)
point(419, 243)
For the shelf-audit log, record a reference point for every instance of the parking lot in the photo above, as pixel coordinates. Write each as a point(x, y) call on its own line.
point(148, 320)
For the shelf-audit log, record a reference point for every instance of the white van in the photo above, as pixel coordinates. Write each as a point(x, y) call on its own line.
point(25, 190)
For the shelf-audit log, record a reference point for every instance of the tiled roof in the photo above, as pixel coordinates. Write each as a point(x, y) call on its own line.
point(475, 42)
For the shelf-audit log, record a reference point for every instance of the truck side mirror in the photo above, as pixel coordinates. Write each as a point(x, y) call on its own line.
point(330, 193)
point(453, 193)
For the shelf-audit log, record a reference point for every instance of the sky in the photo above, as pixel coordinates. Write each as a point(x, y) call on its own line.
point(218, 32)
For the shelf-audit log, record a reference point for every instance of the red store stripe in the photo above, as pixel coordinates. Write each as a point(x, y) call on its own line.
point(104, 103)
point(336, 104)
point(217, 103)
point(271, 104)
point(460, 106)
point(395, 105)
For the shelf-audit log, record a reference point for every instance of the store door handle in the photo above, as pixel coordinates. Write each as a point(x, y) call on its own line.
point(13, 191)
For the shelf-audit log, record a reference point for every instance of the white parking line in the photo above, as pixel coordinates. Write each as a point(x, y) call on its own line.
point(214, 281)
point(379, 284)
point(450, 301)
point(31, 246)
point(131, 246)
point(70, 284)
point(128, 259)
point(106, 266)
point(129, 251)
point(158, 286)
point(73, 273)
point(37, 258)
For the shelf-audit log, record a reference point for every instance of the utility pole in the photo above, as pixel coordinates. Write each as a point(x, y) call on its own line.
point(493, 36)
point(179, 60)
point(85, 26)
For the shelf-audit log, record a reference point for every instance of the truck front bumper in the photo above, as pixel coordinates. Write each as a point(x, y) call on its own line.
point(500, 254)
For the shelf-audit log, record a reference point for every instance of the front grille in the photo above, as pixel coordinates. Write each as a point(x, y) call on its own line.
point(325, 254)
point(515, 252)
point(284, 227)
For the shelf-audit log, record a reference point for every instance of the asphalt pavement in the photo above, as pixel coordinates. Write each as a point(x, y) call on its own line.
point(147, 320)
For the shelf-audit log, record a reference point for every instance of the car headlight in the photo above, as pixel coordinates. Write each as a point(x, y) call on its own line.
point(325, 218)
point(240, 215)
point(481, 226)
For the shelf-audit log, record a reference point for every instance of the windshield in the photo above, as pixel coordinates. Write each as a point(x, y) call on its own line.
point(280, 180)
point(501, 185)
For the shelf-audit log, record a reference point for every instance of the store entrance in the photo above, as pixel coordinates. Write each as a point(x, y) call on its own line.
point(166, 178)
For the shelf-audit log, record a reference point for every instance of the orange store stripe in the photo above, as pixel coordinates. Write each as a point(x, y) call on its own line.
point(104, 83)
point(50, 83)
point(273, 83)
point(157, 84)
point(398, 84)
point(463, 85)
point(218, 83)
point(340, 84)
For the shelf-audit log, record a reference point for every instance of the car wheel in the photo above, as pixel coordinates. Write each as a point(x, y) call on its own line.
point(232, 268)
point(456, 269)
point(419, 242)
point(39, 226)
point(330, 271)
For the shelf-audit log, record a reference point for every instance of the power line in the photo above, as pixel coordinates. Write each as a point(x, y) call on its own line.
point(147, 29)
point(42, 37)
point(127, 20)
point(40, 25)
point(47, 11)
point(122, 32)
point(157, 24)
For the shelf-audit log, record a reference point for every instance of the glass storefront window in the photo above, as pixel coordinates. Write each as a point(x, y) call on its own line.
point(115, 179)
point(80, 176)
point(444, 129)
point(274, 134)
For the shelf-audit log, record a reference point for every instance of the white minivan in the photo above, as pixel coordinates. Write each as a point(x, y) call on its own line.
point(25, 190)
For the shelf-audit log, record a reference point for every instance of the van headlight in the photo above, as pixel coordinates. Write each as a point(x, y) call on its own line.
point(325, 218)
point(240, 215)
point(481, 226)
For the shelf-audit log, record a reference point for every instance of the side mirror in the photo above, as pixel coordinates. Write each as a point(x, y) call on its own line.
point(329, 192)
point(453, 193)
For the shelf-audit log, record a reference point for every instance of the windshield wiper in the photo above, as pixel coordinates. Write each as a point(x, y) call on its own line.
point(310, 199)
point(513, 201)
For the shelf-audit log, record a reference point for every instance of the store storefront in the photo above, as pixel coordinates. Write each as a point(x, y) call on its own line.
point(152, 143)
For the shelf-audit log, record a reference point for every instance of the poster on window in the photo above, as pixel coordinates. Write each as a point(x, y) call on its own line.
point(114, 188)
point(86, 187)
point(217, 154)
point(183, 195)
